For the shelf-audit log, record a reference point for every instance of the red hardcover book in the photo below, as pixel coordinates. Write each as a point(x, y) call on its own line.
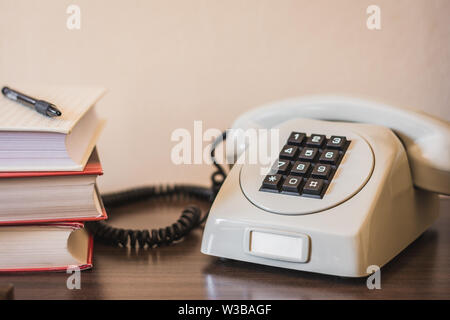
point(55, 196)
point(45, 247)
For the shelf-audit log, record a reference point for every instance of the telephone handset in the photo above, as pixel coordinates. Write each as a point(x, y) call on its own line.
point(341, 196)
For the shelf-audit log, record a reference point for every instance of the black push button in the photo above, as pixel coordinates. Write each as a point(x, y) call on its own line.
point(329, 156)
point(292, 184)
point(300, 168)
point(282, 166)
point(336, 142)
point(272, 181)
point(289, 152)
point(308, 154)
point(313, 186)
point(315, 140)
point(296, 138)
point(321, 171)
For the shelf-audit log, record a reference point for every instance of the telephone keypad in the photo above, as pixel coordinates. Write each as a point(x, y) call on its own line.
point(306, 165)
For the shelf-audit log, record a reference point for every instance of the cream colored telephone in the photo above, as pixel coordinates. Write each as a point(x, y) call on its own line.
point(354, 184)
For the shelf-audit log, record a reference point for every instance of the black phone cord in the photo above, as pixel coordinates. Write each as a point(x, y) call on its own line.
point(190, 218)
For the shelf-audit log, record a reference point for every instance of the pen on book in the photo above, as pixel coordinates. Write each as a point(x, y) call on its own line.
point(46, 108)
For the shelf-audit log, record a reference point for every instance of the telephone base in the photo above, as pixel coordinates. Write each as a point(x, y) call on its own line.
point(369, 227)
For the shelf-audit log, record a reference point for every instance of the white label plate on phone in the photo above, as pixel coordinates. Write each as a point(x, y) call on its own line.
point(277, 245)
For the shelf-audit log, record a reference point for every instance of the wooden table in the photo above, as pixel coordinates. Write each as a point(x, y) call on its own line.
point(422, 271)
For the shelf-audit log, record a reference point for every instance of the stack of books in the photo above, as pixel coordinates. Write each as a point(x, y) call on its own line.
point(48, 172)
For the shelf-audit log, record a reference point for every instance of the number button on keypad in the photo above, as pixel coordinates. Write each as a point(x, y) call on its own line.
point(296, 138)
point(292, 184)
point(289, 152)
point(308, 154)
point(315, 140)
point(301, 168)
point(336, 142)
point(329, 156)
point(282, 166)
point(322, 171)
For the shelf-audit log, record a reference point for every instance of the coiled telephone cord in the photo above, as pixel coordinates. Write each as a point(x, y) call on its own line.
point(190, 218)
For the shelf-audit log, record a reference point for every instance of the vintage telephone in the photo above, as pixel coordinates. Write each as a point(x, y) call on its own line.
point(370, 189)
point(356, 182)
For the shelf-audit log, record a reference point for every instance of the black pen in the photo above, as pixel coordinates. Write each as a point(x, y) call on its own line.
point(46, 108)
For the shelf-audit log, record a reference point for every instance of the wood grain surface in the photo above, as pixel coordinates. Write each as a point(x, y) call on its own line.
point(181, 272)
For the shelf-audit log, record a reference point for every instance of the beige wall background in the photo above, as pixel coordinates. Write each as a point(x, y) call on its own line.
point(168, 63)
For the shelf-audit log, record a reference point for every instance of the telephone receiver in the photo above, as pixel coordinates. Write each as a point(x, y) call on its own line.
point(426, 139)
point(355, 183)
